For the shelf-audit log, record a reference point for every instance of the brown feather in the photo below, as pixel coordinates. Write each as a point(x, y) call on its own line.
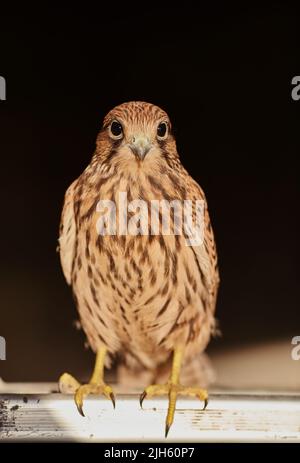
point(140, 296)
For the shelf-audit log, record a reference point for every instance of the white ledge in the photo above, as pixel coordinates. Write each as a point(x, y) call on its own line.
point(229, 417)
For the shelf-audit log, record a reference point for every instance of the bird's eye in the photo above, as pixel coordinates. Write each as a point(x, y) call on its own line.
point(162, 130)
point(116, 129)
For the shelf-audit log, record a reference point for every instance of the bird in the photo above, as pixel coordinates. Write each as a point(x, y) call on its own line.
point(147, 299)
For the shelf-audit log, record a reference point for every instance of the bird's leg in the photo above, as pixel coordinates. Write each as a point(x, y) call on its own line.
point(173, 388)
point(96, 385)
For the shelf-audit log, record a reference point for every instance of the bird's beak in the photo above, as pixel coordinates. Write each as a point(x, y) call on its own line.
point(140, 146)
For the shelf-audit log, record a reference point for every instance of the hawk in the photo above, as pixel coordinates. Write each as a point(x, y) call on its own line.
point(143, 297)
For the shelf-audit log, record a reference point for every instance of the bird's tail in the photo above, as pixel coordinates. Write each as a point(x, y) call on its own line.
point(197, 371)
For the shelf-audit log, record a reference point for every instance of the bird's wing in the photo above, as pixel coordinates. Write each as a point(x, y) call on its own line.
point(67, 233)
point(206, 253)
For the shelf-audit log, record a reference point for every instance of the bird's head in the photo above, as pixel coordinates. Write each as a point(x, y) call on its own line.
point(136, 135)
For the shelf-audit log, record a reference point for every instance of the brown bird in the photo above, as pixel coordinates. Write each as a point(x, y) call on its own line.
point(144, 297)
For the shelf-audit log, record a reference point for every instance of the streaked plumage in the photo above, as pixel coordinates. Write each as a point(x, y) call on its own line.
point(139, 296)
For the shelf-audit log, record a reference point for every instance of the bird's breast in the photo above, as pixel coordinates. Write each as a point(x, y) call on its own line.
point(144, 286)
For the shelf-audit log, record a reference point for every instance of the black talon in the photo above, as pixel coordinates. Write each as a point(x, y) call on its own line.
point(79, 408)
point(112, 397)
point(167, 430)
point(205, 404)
point(142, 396)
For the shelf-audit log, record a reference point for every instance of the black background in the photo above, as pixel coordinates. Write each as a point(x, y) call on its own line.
point(224, 77)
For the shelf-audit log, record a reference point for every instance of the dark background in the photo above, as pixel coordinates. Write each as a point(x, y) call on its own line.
point(224, 76)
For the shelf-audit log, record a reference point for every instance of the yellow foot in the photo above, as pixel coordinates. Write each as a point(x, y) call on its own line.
point(173, 390)
point(68, 384)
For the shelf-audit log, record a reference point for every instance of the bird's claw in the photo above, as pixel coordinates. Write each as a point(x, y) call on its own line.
point(68, 384)
point(142, 397)
point(93, 389)
point(167, 429)
point(173, 390)
point(112, 398)
point(79, 408)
